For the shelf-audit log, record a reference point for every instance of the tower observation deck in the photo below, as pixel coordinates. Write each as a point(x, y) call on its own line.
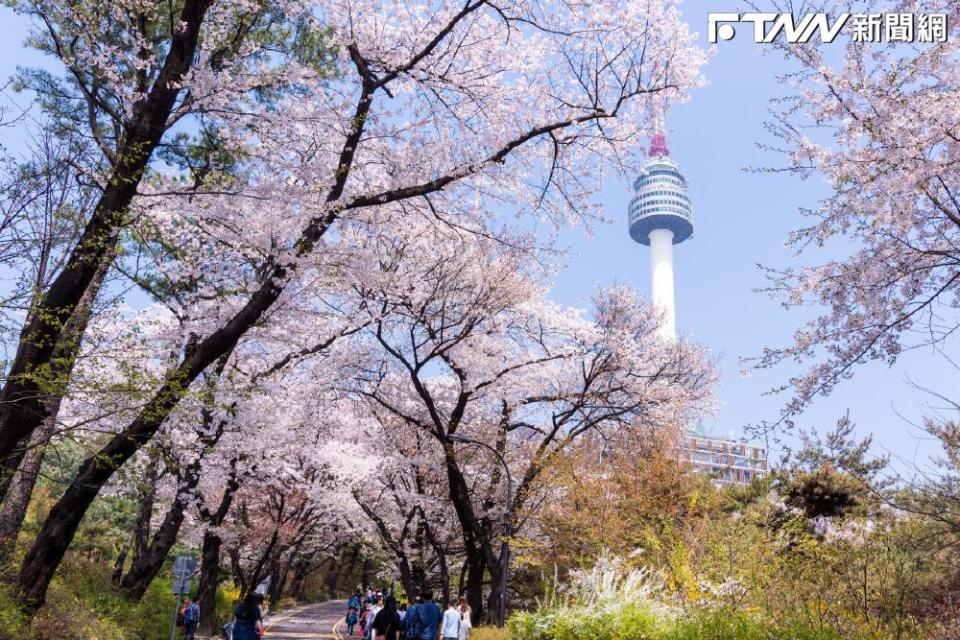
point(660, 215)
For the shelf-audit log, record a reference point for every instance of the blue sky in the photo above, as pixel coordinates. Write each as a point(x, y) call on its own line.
point(741, 219)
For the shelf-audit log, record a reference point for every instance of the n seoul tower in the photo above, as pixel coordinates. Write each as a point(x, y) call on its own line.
point(660, 216)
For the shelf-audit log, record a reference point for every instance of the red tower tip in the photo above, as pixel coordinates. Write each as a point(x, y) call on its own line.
point(658, 145)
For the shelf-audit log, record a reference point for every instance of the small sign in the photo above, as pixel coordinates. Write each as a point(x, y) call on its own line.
point(184, 566)
point(182, 585)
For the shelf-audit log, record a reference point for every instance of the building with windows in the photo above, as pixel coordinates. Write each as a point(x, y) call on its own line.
point(725, 461)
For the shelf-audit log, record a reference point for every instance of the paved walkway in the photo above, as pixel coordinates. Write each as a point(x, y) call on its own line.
point(309, 622)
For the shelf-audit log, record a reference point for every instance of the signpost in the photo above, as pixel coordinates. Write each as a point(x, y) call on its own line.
point(183, 569)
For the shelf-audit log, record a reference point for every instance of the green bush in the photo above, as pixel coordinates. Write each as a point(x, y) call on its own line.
point(720, 624)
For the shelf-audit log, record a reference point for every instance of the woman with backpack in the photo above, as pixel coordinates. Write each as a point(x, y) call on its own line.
point(352, 618)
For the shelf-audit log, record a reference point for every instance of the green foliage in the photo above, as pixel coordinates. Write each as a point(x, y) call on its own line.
point(637, 621)
point(13, 622)
point(824, 492)
point(721, 624)
point(81, 605)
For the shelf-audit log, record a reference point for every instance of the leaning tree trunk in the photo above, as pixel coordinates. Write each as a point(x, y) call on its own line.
point(140, 538)
point(239, 579)
point(22, 403)
point(145, 567)
point(300, 573)
point(147, 562)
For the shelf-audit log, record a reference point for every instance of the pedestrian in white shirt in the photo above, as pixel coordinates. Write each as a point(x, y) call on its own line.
point(451, 622)
point(374, 610)
point(465, 622)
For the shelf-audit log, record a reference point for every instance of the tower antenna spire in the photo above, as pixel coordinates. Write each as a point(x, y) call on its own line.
point(658, 142)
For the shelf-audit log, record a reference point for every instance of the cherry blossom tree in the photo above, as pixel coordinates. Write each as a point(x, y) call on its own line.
point(406, 507)
point(131, 73)
point(472, 348)
point(452, 109)
point(881, 128)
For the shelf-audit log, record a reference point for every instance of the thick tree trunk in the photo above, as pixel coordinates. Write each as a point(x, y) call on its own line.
point(299, 577)
point(257, 575)
point(209, 581)
point(474, 589)
point(476, 535)
point(365, 573)
point(141, 526)
point(23, 403)
point(210, 553)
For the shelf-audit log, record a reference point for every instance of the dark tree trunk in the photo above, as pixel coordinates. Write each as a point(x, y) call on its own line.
point(210, 553)
point(333, 576)
point(145, 566)
point(23, 406)
point(209, 581)
point(239, 579)
point(149, 559)
point(299, 577)
point(348, 570)
point(365, 573)
point(257, 575)
point(141, 526)
point(474, 589)
point(476, 535)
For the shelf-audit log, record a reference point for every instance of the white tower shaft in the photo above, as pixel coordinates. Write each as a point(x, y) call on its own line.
point(661, 269)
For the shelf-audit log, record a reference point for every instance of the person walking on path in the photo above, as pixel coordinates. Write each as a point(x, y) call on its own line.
point(423, 619)
point(191, 618)
point(354, 602)
point(386, 624)
point(451, 622)
point(375, 608)
point(248, 618)
point(351, 621)
point(466, 623)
